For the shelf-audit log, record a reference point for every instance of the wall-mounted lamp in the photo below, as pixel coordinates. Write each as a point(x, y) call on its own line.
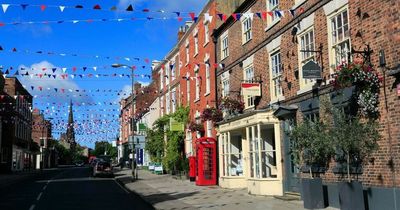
point(382, 59)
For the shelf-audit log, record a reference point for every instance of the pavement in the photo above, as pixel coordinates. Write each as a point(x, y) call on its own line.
point(69, 189)
point(166, 193)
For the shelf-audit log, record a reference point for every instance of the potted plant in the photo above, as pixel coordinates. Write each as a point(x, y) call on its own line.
point(311, 149)
point(196, 127)
point(354, 141)
point(231, 106)
point(366, 82)
point(213, 114)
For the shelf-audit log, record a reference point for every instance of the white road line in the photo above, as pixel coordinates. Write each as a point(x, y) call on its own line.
point(127, 192)
point(44, 187)
point(32, 207)
point(40, 195)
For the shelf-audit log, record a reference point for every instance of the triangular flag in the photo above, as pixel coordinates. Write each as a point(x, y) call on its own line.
point(62, 8)
point(1, 48)
point(195, 19)
point(64, 70)
point(220, 15)
point(292, 12)
point(130, 8)
point(24, 6)
point(94, 68)
point(208, 17)
point(279, 13)
point(114, 8)
point(180, 18)
point(264, 15)
point(2, 24)
point(14, 49)
point(79, 6)
point(54, 70)
point(97, 7)
point(43, 7)
point(259, 15)
point(178, 13)
point(192, 15)
point(5, 7)
point(271, 13)
point(75, 21)
point(146, 10)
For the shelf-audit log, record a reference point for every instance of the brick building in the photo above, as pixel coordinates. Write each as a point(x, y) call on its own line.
point(131, 115)
point(42, 135)
point(23, 149)
point(263, 47)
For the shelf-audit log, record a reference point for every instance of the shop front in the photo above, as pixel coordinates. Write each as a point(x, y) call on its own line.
point(250, 153)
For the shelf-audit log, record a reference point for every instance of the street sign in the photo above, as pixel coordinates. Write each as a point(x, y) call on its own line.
point(251, 89)
point(311, 70)
point(142, 127)
point(175, 125)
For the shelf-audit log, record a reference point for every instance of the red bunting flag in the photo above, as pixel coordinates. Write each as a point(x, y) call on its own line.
point(192, 15)
point(42, 7)
point(2, 24)
point(97, 7)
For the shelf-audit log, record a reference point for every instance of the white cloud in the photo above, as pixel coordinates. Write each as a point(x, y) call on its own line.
point(37, 30)
point(48, 85)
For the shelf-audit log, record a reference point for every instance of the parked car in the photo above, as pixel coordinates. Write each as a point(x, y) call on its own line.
point(102, 168)
point(92, 164)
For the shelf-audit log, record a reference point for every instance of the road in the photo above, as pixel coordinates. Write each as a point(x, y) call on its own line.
point(69, 188)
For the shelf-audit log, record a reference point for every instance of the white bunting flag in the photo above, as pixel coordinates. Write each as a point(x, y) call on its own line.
point(62, 8)
point(64, 70)
point(75, 21)
point(5, 7)
point(94, 68)
point(208, 17)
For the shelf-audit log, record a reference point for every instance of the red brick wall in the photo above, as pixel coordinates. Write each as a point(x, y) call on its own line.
point(380, 30)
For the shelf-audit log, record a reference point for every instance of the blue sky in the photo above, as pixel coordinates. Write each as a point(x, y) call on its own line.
point(141, 38)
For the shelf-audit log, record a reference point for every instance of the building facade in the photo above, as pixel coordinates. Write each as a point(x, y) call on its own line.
point(23, 150)
point(42, 135)
point(266, 43)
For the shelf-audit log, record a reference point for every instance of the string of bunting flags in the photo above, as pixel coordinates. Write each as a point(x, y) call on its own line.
point(96, 7)
point(64, 54)
point(263, 15)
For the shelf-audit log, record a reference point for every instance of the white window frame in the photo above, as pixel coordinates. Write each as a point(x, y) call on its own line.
point(246, 30)
point(196, 45)
point(226, 156)
point(225, 87)
point(161, 79)
point(276, 74)
point(208, 78)
point(224, 47)
point(187, 50)
point(188, 89)
point(206, 33)
point(339, 37)
point(197, 98)
point(273, 5)
point(173, 100)
point(167, 74)
point(248, 76)
point(306, 41)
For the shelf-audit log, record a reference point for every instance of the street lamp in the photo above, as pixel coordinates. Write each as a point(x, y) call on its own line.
point(134, 169)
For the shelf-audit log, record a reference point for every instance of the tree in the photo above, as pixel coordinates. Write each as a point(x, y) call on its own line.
point(355, 140)
point(104, 148)
point(311, 144)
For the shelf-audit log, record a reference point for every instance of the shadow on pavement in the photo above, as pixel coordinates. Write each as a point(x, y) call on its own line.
point(161, 197)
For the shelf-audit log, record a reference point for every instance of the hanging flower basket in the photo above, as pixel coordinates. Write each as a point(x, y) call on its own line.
point(231, 106)
point(212, 114)
point(367, 82)
point(193, 126)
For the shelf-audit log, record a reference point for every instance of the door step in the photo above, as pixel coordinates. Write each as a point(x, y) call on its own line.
point(289, 196)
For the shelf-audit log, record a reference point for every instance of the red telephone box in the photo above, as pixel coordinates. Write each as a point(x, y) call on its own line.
point(206, 155)
point(192, 168)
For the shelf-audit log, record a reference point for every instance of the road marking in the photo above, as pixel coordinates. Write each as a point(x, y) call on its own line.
point(44, 187)
point(127, 192)
point(40, 195)
point(32, 207)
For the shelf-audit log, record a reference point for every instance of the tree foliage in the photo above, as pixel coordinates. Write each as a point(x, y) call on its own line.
point(311, 144)
point(104, 147)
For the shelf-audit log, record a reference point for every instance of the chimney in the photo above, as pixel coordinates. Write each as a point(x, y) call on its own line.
point(181, 33)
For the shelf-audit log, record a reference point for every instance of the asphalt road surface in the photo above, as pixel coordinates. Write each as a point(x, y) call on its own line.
point(69, 189)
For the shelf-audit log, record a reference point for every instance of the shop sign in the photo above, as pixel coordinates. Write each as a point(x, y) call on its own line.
point(311, 70)
point(175, 125)
point(251, 89)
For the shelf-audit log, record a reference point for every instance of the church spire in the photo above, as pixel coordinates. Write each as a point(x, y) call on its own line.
point(70, 129)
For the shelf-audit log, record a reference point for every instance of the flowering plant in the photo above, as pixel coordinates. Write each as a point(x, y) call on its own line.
point(231, 105)
point(367, 82)
point(193, 126)
point(212, 114)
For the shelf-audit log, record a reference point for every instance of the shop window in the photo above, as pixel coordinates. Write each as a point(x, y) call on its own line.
point(232, 157)
point(262, 152)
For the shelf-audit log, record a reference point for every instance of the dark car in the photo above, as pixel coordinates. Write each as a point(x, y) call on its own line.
point(102, 168)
